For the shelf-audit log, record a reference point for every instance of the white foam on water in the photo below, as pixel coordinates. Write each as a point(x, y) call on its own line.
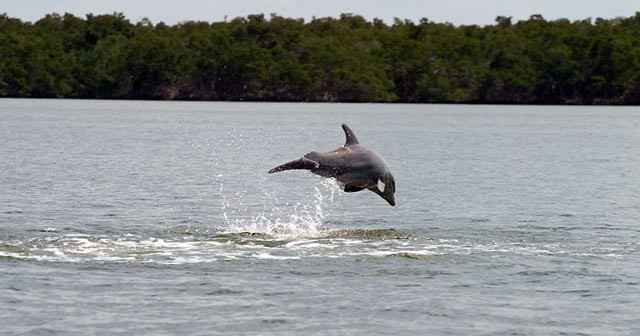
point(298, 243)
point(304, 244)
point(70, 248)
point(265, 255)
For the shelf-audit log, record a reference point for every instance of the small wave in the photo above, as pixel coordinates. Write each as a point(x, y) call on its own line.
point(246, 247)
point(179, 247)
point(182, 248)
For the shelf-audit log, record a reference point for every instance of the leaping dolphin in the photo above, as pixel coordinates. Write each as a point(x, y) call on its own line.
point(353, 165)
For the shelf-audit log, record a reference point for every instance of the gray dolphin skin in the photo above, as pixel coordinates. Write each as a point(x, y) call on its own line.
point(353, 165)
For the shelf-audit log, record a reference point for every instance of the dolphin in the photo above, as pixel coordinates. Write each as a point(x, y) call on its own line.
point(353, 165)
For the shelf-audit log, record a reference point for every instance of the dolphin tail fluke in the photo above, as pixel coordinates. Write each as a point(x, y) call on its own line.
point(301, 163)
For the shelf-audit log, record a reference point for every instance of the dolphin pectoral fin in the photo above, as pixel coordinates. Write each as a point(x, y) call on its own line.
point(350, 188)
point(351, 137)
point(301, 163)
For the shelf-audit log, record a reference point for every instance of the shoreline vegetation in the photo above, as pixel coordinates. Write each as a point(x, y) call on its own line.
point(345, 59)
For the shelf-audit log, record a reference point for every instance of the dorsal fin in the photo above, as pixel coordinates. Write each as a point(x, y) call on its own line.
point(351, 137)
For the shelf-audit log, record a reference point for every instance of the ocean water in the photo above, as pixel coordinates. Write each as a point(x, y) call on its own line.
point(158, 218)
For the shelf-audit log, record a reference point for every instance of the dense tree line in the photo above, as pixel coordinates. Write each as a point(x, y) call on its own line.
point(344, 59)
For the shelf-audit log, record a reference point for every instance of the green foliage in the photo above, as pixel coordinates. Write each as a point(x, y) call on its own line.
point(343, 59)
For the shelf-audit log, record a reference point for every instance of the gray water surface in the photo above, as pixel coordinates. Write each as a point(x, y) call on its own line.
point(158, 218)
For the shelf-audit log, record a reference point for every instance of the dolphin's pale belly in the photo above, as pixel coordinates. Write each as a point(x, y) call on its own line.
point(357, 180)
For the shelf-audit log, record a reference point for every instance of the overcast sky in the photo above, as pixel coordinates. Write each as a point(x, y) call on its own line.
point(454, 11)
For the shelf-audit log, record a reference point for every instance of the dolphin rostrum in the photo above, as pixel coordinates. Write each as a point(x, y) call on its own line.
point(353, 165)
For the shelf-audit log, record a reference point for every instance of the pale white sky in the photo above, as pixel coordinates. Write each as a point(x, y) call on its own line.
point(454, 11)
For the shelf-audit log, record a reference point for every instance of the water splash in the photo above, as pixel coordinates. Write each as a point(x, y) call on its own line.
point(301, 220)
